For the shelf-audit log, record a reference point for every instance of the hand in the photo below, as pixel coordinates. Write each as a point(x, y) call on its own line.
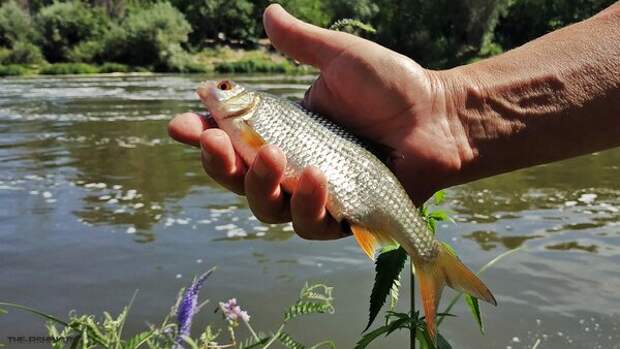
point(378, 94)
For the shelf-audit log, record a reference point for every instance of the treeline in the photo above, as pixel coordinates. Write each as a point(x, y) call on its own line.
point(164, 35)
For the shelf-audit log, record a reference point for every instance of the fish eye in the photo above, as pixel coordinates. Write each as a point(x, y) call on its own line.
point(224, 85)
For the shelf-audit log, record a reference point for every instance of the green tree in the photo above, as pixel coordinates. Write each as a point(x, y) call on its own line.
point(65, 25)
point(440, 33)
point(149, 36)
point(525, 20)
point(222, 21)
point(363, 10)
point(15, 25)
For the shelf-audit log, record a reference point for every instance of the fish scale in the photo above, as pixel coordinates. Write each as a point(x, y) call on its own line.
point(360, 184)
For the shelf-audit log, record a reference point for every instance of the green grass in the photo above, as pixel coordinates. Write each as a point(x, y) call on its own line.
point(13, 70)
point(68, 68)
point(258, 66)
point(220, 60)
point(114, 68)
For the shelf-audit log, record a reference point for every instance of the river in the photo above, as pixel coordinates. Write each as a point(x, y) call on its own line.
point(97, 202)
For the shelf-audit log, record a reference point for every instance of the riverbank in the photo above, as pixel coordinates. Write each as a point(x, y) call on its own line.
point(221, 60)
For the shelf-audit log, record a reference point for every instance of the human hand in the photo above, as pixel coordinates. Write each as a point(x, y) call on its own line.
point(376, 93)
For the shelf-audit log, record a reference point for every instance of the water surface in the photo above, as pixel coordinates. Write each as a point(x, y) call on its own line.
point(96, 202)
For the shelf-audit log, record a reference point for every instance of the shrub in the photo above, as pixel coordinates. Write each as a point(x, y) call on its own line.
point(86, 51)
point(15, 25)
point(65, 25)
point(220, 20)
point(114, 68)
point(69, 68)
point(12, 70)
point(23, 53)
point(150, 36)
point(254, 66)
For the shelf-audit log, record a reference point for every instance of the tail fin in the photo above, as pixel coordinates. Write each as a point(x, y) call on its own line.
point(446, 269)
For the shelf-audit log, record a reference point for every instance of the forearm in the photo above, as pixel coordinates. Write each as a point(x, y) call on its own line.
point(553, 98)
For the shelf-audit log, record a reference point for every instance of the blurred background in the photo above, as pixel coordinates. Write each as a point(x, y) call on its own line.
point(207, 35)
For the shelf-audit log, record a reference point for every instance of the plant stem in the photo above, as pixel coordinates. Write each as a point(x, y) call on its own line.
point(412, 300)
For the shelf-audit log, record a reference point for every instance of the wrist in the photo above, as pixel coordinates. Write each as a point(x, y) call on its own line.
point(459, 100)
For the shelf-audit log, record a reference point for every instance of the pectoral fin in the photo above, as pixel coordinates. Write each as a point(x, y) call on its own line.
point(250, 137)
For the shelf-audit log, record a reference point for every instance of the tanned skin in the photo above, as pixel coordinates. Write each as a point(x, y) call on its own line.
point(550, 99)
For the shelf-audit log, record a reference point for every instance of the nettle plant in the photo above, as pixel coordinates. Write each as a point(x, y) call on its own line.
point(388, 266)
point(86, 331)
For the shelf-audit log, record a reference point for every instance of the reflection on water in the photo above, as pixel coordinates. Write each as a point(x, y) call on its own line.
point(96, 201)
point(489, 240)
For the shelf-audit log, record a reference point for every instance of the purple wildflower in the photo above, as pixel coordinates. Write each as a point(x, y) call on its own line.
point(233, 312)
point(187, 308)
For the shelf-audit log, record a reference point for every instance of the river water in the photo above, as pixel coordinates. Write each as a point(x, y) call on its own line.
point(96, 202)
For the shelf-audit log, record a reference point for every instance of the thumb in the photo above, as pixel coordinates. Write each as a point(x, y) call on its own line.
point(301, 41)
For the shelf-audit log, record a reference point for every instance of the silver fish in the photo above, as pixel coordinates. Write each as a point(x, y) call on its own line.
point(361, 190)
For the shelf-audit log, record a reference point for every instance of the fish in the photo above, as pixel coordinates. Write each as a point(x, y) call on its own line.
point(363, 193)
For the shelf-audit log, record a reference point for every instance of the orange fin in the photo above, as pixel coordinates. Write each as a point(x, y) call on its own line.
point(250, 136)
point(370, 242)
point(446, 269)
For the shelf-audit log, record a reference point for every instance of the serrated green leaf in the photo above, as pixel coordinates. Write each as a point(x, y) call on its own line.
point(252, 343)
point(439, 215)
point(388, 268)
point(305, 308)
point(439, 197)
point(474, 309)
point(289, 342)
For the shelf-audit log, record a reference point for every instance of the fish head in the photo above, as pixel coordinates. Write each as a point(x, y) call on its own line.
point(233, 107)
point(227, 100)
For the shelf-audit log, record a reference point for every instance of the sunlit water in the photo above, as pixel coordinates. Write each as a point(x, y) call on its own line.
point(96, 202)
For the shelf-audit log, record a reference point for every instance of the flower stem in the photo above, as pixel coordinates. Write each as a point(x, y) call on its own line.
point(247, 324)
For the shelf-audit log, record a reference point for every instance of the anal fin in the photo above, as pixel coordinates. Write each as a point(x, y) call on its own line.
point(370, 241)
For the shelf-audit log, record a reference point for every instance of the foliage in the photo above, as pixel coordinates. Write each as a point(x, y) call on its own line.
point(438, 34)
point(150, 36)
point(222, 21)
point(254, 66)
point(65, 25)
point(15, 25)
point(159, 35)
point(88, 331)
point(311, 11)
point(12, 70)
point(23, 52)
point(352, 26)
point(114, 68)
point(388, 267)
point(68, 68)
point(525, 20)
point(361, 10)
